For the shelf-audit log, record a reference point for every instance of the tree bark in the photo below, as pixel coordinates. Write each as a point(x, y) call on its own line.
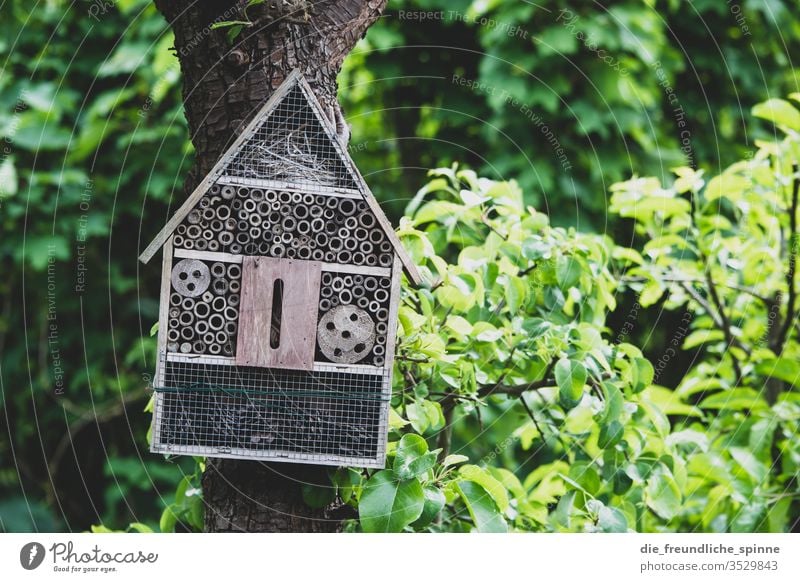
point(224, 83)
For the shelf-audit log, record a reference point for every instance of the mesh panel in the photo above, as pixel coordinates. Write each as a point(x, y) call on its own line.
point(329, 416)
point(292, 146)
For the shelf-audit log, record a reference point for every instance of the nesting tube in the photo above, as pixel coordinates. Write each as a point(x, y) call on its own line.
point(172, 346)
point(378, 361)
point(287, 238)
point(381, 295)
point(254, 232)
point(350, 243)
point(381, 328)
point(230, 327)
point(326, 291)
point(300, 211)
point(209, 213)
point(303, 226)
point(365, 247)
point(216, 321)
point(331, 202)
point(271, 195)
point(382, 314)
point(335, 244)
point(220, 286)
point(315, 211)
point(385, 260)
point(207, 296)
point(297, 198)
point(173, 335)
point(321, 239)
point(235, 248)
point(214, 349)
point(371, 260)
point(198, 347)
point(227, 349)
point(187, 303)
point(201, 327)
point(263, 208)
point(249, 205)
point(337, 284)
point(194, 217)
point(291, 253)
point(218, 269)
point(263, 247)
point(358, 290)
point(202, 310)
point(304, 253)
point(215, 189)
point(366, 220)
point(344, 256)
point(257, 194)
point(324, 304)
point(285, 197)
point(384, 282)
point(375, 236)
point(233, 298)
point(358, 258)
point(205, 202)
point(234, 271)
point(362, 302)
point(187, 333)
point(243, 192)
point(345, 296)
point(347, 207)
point(378, 350)
point(208, 234)
point(360, 233)
point(178, 240)
point(181, 229)
point(351, 223)
point(188, 244)
point(330, 257)
point(236, 204)
point(318, 254)
point(213, 246)
point(254, 220)
point(289, 223)
point(278, 250)
point(193, 231)
point(174, 312)
point(228, 192)
point(370, 283)
point(218, 304)
point(186, 348)
point(225, 238)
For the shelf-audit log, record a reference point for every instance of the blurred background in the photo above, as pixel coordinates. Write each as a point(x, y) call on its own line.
point(564, 97)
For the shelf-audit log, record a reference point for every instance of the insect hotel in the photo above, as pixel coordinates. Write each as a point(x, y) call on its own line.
point(279, 295)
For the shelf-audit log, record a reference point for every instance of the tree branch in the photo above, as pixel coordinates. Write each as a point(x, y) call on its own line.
point(790, 271)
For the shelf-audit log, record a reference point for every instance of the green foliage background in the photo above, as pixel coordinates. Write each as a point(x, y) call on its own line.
point(95, 149)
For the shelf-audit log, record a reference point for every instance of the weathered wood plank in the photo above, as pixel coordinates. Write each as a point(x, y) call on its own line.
point(291, 186)
point(296, 343)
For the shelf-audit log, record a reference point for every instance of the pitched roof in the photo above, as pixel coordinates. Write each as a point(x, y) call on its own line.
point(332, 165)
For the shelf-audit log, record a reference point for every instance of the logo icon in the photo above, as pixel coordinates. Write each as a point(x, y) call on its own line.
point(31, 555)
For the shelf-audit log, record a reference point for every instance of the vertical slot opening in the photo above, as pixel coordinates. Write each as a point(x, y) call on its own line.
point(277, 312)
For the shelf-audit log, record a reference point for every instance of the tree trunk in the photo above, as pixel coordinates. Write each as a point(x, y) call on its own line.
point(224, 83)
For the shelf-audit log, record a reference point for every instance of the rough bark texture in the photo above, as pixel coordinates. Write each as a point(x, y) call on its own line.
point(224, 83)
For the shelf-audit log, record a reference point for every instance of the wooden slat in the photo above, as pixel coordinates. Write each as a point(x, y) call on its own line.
point(298, 326)
point(163, 311)
point(208, 256)
point(357, 269)
point(394, 305)
point(309, 188)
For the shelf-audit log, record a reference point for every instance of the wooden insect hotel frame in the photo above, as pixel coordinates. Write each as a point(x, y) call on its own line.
point(279, 296)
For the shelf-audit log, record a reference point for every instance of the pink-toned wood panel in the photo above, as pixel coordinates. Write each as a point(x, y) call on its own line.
point(298, 315)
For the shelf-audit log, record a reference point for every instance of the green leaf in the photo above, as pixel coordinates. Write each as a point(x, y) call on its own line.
point(412, 458)
point(779, 112)
point(434, 503)
point(612, 520)
point(784, 369)
point(663, 493)
point(568, 271)
point(318, 496)
point(454, 460)
point(610, 434)
point(482, 508)
point(736, 399)
point(168, 520)
point(389, 505)
point(482, 477)
point(571, 379)
point(642, 374)
point(8, 178)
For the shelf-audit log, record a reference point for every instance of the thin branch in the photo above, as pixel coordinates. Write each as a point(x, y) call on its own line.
point(790, 272)
point(674, 279)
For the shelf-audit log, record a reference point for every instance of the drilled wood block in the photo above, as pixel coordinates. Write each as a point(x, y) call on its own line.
point(295, 321)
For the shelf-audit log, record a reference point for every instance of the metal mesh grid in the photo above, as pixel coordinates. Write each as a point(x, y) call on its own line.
point(327, 417)
point(291, 145)
point(285, 224)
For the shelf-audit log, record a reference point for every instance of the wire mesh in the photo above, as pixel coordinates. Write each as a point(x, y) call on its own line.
point(291, 145)
point(326, 417)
